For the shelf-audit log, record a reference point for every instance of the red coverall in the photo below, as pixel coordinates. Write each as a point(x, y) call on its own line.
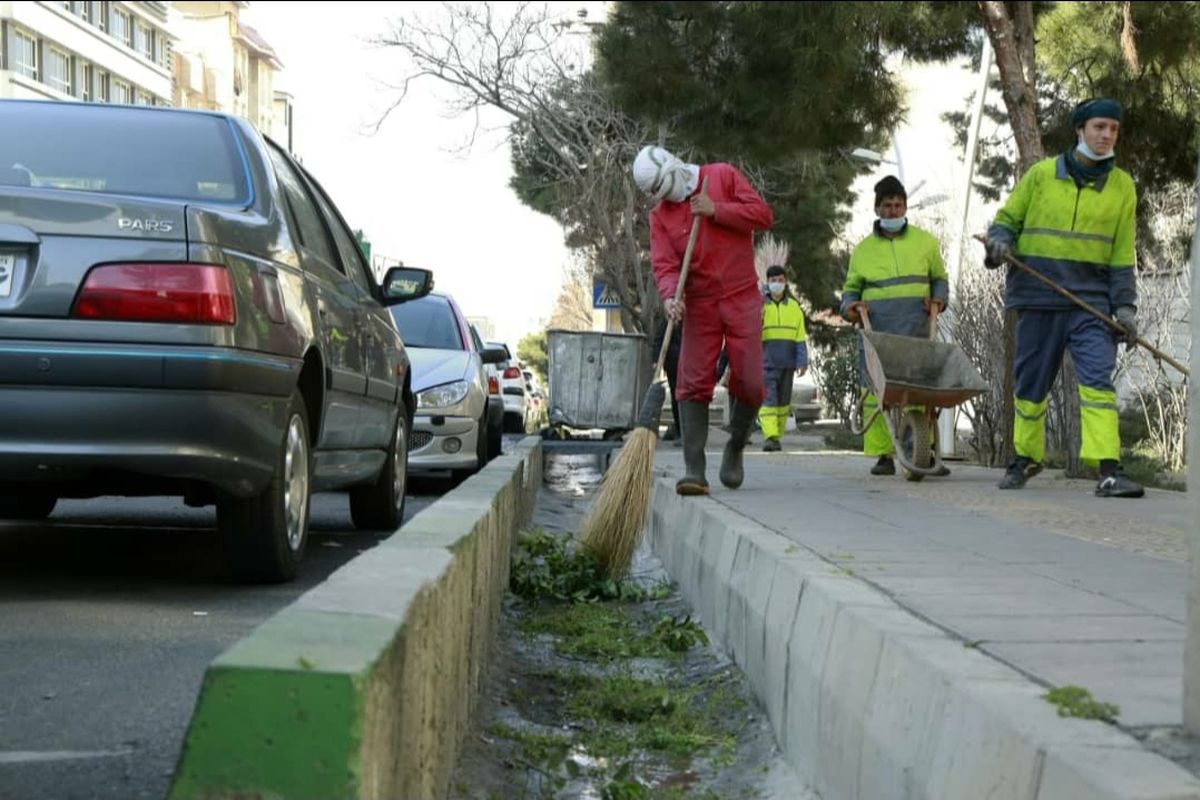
point(722, 298)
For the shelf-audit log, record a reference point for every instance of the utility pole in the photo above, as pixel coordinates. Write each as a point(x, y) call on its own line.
point(948, 421)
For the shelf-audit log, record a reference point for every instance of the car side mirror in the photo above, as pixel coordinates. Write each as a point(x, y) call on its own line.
point(401, 284)
point(493, 355)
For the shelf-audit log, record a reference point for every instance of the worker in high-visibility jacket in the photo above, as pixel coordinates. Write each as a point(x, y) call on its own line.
point(1072, 218)
point(785, 352)
point(897, 275)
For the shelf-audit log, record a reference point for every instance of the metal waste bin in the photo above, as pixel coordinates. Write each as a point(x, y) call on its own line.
point(596, 379)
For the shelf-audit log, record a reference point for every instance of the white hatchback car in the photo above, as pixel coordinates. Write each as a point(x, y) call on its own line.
point(449, 430)
point(513, 387)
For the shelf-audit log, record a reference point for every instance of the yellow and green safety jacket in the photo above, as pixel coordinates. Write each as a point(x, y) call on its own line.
point(895, 276)
point(785, 341)
point(1081, 237)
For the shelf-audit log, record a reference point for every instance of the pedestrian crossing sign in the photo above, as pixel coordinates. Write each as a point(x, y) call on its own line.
point(603, 296)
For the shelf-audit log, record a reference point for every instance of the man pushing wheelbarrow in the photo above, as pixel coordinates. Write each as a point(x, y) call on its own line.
point(895, 287)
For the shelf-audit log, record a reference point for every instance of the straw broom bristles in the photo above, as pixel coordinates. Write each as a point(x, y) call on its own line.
point(620, 506)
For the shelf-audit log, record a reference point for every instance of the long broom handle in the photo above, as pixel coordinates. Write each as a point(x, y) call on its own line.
point(683, 271)
point(1106, 319)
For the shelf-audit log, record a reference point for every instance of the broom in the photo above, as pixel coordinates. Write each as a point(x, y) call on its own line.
point(613, 524)
point(1106, 319)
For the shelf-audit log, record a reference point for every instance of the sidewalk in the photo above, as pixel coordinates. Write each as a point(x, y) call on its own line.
point(1065, 587)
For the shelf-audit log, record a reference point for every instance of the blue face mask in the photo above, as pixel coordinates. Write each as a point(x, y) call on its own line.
point(892, 225)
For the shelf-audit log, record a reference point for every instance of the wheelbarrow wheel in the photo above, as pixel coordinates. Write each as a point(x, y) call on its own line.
point(914, 433)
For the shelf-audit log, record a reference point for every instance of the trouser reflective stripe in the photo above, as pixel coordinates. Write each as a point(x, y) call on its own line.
point(1042, 337)
point(777, 404)
point(1099, 425)
point(1029, 429)
point(876, 439)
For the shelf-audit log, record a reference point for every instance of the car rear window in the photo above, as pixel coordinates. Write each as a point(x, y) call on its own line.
point(117, 150)
point(428, 322)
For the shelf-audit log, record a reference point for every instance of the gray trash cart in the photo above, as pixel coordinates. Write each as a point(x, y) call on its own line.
point(597, 379)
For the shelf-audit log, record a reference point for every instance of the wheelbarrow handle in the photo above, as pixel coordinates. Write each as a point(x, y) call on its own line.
point(933, 315)
point(866, 319)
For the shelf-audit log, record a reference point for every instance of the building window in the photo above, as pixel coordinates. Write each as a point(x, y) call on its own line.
point(122, 93)
point(100, 12)
point(58, 69)
point(143, 40)
point(82, 10)
point(103, 87)
point(87, 74)
point(122, 27)
point(24, 56)
point(144, 98)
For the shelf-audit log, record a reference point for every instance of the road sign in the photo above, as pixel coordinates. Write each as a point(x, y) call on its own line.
point(603, 296)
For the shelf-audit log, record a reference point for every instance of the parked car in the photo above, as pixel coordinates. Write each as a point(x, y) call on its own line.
point(806, 402)
point(183, 311)
point(495, 402)
point(450, 426)
point(512, 386)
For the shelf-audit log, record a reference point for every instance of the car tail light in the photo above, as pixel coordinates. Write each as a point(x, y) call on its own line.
point(493, 384)
point(512, 372)
point(167, 292)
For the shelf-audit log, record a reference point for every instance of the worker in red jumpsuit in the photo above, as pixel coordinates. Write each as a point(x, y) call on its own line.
point(722, 300)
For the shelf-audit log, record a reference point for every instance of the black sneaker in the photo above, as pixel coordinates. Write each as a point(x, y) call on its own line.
point(1020, 471)
point(771, 446)
point(884, 466)
point(1117, 485)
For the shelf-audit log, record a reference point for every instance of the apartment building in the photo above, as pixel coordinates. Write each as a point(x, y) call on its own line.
point(223, 64)
point(107, 51)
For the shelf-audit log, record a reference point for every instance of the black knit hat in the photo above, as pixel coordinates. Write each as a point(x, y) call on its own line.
point(889, 187)
point(774, 270)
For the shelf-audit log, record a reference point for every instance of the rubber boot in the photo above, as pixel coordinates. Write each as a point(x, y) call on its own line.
point(741, 420)
point(693, 425)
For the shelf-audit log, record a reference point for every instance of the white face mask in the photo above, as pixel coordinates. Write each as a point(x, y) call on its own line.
point(775, 288)
point(1088, 153)
point(892, 224)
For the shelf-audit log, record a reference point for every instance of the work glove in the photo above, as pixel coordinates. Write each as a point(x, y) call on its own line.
point(1126, 317)
point(998, 250)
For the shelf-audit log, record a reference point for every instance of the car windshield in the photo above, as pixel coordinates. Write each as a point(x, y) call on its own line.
point(129, 151)
point(428, 322)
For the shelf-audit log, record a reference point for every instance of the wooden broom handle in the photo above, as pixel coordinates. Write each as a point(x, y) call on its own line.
point(1105, 318)
point(683, 271)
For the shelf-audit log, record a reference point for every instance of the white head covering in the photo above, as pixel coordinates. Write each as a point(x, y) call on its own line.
point(663, 176)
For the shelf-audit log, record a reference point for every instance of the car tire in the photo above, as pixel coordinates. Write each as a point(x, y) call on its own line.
point(495, 440)
point(380, 506)
point(265, 535)
point(27, 506)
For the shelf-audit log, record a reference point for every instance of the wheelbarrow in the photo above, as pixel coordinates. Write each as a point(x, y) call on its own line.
point(906, 371)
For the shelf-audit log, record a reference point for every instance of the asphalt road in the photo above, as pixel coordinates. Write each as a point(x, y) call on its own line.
point(109, 613)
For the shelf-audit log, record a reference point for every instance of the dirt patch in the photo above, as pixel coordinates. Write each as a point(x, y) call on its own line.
point(610, 691)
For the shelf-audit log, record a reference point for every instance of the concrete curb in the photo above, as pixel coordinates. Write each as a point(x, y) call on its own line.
point(868, 701)
point(366, 685)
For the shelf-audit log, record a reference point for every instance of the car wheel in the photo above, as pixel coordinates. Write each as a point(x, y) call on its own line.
point(495, 437)
point(265, 535)
point(380, 506)
point(481, 447)
point(27, 506)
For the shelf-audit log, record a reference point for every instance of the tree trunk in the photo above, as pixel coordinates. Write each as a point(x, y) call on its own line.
point(1013, 42)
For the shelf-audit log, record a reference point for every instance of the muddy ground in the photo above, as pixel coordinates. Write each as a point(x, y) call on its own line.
point(589, 701)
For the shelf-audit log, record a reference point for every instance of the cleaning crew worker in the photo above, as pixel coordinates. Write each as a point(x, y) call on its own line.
point(785, 351)
point(1072, 218)
point(721, 300)
point(896, 274)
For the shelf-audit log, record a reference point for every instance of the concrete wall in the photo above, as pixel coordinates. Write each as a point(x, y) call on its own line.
point(365, 687)
point(868, 701)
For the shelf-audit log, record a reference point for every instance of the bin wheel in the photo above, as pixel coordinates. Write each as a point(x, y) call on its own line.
point(914, 435)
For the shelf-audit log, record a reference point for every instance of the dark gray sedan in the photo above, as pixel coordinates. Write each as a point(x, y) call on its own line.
point(183, 311)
